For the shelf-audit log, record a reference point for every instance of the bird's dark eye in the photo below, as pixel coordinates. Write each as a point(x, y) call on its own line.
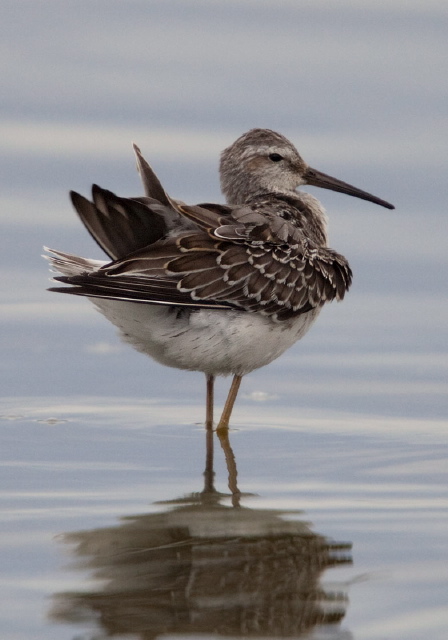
point(275, 157)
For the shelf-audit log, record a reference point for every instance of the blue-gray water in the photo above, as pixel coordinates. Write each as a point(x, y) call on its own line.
point(340, 445)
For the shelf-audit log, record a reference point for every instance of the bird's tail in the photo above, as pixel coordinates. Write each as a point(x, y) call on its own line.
point(70, 265)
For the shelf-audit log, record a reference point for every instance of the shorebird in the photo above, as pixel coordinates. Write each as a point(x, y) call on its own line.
point(222, 289)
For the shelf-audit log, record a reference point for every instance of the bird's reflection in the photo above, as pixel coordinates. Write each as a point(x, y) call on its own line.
point(206, 564)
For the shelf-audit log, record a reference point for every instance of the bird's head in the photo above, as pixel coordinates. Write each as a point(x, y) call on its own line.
point(263, 161)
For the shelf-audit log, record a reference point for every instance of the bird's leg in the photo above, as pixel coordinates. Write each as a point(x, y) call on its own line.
point(209, 402)
point(233, 392)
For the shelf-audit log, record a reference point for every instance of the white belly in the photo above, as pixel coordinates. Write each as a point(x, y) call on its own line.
point(217, 342)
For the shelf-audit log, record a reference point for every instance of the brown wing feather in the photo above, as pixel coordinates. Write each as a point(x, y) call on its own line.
point(257, 257)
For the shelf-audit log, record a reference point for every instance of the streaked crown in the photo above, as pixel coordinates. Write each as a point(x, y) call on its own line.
point(260, 161)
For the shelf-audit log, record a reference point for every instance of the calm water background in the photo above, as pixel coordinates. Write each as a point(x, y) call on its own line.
point(348, 431)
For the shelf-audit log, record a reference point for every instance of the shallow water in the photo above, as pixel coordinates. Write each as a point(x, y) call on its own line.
point(334, 527)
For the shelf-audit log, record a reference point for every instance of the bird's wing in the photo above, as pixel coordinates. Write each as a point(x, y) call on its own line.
point(242, 257)
point(123, 225)
point(151, 184)
point(266, 260)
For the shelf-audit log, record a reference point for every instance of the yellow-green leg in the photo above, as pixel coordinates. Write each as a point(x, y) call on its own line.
point(233, 392)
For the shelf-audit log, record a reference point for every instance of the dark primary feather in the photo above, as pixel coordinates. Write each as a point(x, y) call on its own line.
point(260, 257)
point(119, 225)
point(122, 225)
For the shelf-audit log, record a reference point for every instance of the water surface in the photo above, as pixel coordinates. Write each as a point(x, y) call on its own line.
point(335, 525)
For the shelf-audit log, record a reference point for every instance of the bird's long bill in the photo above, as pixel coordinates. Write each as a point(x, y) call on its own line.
point(319, 179)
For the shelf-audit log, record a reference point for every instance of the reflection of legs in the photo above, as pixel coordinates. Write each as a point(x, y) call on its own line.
point(209, 474)
point(225, 417)
point(209, 402)
point(223, 436)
